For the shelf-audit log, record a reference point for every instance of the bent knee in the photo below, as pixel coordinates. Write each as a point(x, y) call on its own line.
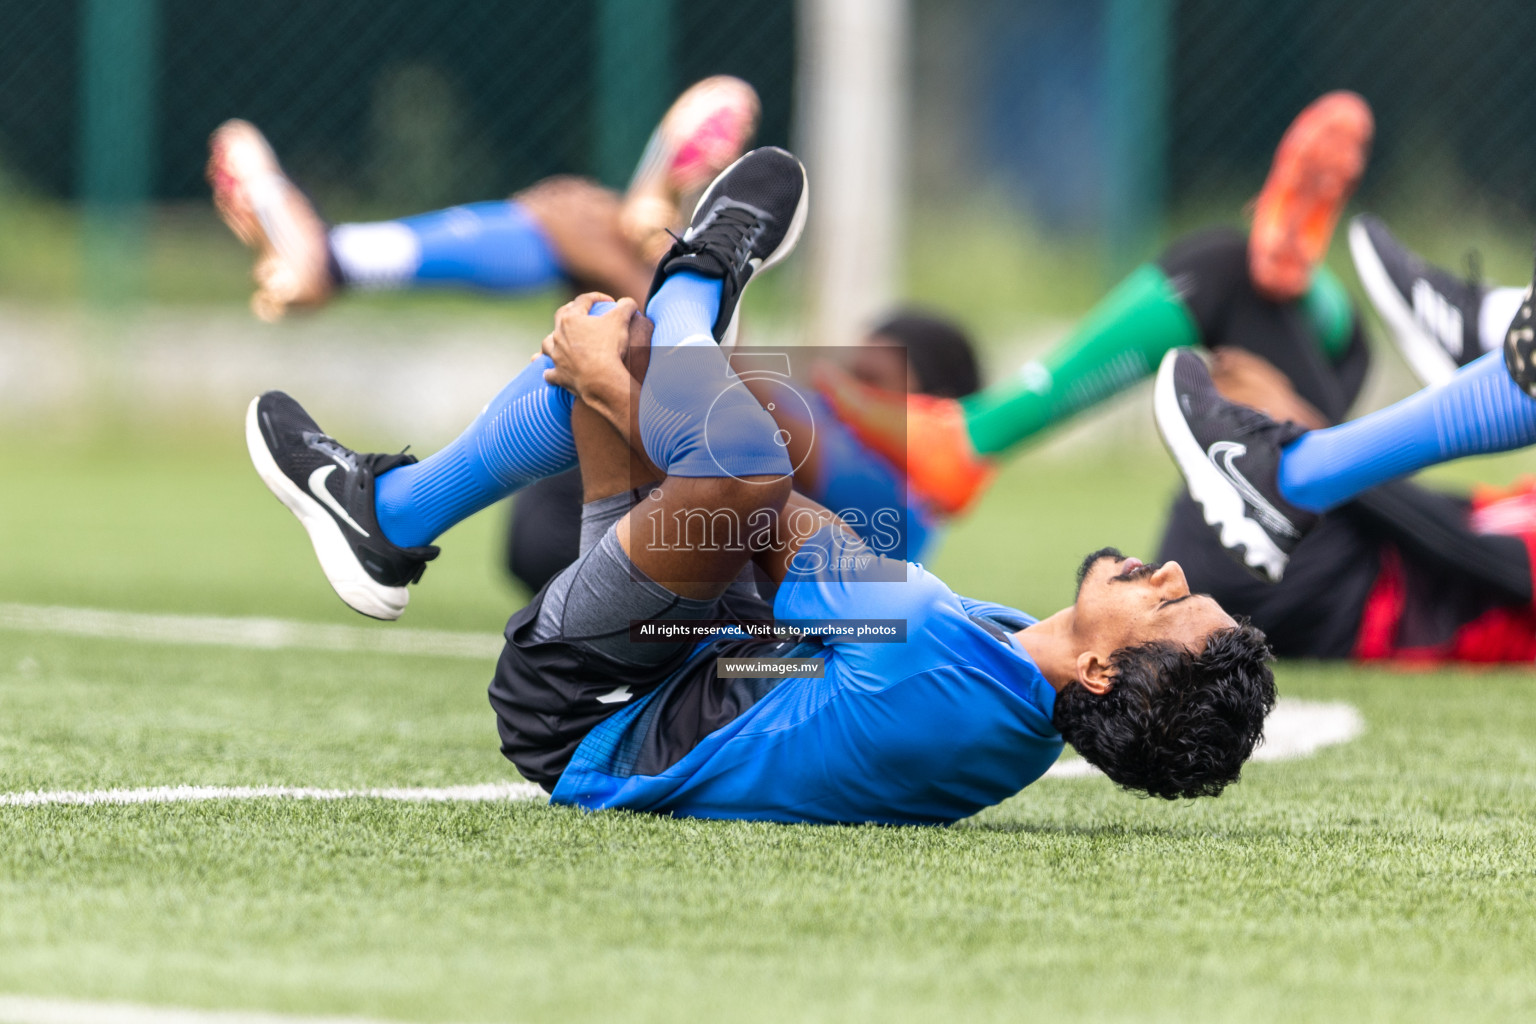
point(743, 495)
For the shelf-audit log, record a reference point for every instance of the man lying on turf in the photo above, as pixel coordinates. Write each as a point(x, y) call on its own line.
point(1158, 687)
point(1266, 486)
point(561, 230)
point(1399, 571)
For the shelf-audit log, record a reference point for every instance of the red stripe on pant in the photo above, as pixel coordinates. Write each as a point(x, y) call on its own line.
point(1506, 634)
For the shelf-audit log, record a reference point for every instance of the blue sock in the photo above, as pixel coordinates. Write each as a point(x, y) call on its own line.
point(696, 417)
point(494, 245)
point(1478, 411)
point(684, 310)
point(523, 435)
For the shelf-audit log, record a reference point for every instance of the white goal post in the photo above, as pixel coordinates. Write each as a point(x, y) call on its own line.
point(853, 81)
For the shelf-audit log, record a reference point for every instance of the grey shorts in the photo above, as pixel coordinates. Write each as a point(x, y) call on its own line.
point(569, 662)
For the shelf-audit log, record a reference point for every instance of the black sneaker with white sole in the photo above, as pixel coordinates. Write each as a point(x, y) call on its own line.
point(1520, 345)
point(748, 219)
point(330, 487)
point(1434, 315)
point(1229, 455)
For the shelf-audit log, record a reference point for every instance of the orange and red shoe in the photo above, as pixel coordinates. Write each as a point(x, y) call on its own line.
point(924, 436)
point(1317, 165)
point(704, 131)
point(269, 214)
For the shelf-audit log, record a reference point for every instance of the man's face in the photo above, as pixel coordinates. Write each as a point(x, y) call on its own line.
point(1122, 602)
point(878, 362)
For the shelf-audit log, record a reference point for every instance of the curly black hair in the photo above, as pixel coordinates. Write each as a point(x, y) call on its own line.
point(939, 351)
point(1175, 723)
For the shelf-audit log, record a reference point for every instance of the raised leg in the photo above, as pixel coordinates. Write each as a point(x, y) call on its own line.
point(1478, 411)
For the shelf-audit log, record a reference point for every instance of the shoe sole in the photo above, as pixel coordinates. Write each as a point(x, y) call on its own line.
point(346, 575)
point(1220, 503)
point(253, 204)
point(785, 247)
point(1319, 162)
point(654, 173)
point(231, 186)
point(1520, 346)
point(1423, 354)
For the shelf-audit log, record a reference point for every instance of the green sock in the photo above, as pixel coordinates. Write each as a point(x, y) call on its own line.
point(1327, 306)
point(1117, 344)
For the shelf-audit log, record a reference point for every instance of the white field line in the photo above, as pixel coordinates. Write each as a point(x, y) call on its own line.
point(1296, 728)
point(266, 634)
point(484, 793)
point(31, 1010)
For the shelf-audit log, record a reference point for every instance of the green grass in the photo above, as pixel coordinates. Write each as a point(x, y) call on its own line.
point(128, 523)
point(1389, 879)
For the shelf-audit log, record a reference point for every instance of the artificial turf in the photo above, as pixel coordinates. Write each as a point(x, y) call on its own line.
point(1386, 879)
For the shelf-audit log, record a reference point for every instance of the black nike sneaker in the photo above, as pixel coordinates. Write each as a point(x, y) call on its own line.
point(330, 488)
point(1434, 315)
point(1520, 345)
point(748, 219)
point(1229, 455)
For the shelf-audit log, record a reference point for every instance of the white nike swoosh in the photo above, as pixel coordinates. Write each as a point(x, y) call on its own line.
point(317, 487)
point(1222, 454)
point(617, 695)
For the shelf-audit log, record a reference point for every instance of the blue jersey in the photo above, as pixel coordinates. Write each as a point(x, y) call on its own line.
point(928, 731)
point(864, 488)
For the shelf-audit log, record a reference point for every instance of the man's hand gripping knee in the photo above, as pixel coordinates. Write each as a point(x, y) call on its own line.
point(693, 534)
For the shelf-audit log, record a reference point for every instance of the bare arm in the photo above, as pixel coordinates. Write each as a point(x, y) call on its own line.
point(797, 523)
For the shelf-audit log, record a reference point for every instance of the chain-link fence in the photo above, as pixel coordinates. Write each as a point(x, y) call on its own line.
point(1065, 104)
point(1093, 116)
point(392, 102)
point(1452, 86)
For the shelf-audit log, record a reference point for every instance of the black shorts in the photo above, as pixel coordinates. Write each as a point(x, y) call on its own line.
point(568, 662)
